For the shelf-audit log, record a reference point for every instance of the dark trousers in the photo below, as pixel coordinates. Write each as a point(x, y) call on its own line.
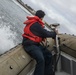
point(43, 58)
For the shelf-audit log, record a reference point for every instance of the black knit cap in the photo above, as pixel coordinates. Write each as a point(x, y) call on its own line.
point(40, 13)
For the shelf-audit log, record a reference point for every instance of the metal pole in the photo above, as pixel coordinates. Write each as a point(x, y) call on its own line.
point(58, 55)
point(58, 58)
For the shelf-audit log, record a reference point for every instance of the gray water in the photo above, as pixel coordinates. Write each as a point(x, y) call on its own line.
point(11, 24)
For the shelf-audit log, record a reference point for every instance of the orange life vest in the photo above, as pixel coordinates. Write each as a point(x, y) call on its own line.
point(27, 33)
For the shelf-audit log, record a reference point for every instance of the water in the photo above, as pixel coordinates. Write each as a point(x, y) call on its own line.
point(11, 24)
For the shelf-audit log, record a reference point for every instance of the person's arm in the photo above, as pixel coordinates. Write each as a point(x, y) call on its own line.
point(41, 32)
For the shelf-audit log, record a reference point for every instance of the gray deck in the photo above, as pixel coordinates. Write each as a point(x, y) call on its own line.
point(61, 73)
point(57, 73)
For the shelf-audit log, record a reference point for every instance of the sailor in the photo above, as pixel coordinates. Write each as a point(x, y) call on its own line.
point(34, 33)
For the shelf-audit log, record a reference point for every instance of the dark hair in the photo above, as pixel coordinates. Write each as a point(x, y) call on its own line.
point(40, 13)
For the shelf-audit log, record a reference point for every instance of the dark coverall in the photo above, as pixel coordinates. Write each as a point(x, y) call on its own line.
point(42, 56)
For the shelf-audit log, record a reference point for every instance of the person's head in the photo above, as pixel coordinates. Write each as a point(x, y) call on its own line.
point(40, 14)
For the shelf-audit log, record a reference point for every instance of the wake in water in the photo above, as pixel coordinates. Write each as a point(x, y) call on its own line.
point(7, 36)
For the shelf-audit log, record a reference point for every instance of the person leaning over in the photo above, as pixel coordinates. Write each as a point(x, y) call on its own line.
point(34, 33)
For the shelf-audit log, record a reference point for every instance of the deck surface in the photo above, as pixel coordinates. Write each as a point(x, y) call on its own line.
point(57, 73)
